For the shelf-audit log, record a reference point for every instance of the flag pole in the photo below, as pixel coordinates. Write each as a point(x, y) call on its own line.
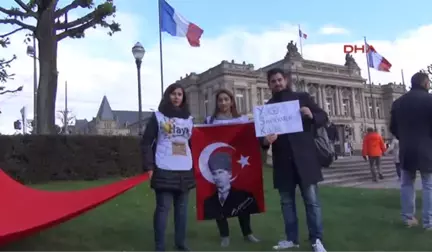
point(301, 38)
point(370, 84)
point(160, 49)
point(403, 78)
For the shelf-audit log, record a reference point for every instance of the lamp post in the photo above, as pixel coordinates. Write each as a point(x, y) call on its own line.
point(138, 52)
point(31, 51)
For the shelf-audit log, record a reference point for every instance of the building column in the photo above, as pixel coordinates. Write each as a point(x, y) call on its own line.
point(365, 105)
point(321, 94)
point(247, 99)
point(336, 102)
point(353, 104)
point(254, 96)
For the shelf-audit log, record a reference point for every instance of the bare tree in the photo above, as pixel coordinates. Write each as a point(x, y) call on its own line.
point(4, 65)
point(52, 26)
point(30, 127)
point(66, 118)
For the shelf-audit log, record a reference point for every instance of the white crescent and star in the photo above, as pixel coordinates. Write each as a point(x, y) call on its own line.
point(205, 155)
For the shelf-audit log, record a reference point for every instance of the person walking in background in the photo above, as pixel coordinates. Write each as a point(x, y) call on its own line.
point(226, 112)
point(373, 149)
point(411, 124)
point(166, 151)
point(333, 136)
point(394, 149)
point(295, 162)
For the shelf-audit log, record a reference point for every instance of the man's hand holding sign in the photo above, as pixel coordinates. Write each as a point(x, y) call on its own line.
point(269, 139)
point(279, 118)
point(306, 112)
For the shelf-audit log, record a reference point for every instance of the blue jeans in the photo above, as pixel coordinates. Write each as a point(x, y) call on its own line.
point(408, 195)
point(313, 213)
point(164, 200)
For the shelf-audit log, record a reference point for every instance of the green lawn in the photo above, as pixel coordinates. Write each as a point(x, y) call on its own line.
point(354, 219)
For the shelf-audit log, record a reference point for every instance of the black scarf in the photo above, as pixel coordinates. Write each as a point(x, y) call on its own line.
point(169, 110)
point(280, 96)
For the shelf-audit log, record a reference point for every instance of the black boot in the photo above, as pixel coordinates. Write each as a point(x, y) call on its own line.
point(182, 248)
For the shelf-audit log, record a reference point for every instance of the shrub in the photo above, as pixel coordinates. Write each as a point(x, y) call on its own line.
point(39, 159)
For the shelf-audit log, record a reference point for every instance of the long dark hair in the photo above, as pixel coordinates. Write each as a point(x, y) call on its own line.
point(168, 109)
point(234, 111)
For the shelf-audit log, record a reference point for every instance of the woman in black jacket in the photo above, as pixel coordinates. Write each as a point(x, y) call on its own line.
point(166, 151)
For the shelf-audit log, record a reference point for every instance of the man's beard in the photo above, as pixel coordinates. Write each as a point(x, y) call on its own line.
point(288, 87)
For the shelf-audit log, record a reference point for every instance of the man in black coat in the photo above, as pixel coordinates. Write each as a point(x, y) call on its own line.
point(295, 162)
point(411, 124)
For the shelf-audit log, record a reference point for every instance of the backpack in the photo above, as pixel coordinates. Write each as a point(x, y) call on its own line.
point(325, 148)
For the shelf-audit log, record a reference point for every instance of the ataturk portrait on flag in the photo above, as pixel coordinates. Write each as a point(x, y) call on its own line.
point(228, 170)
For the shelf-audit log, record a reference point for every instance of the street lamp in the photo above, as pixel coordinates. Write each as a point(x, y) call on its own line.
point(138, 52)
point(31, 51)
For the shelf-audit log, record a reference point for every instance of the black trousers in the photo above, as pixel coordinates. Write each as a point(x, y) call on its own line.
point(398, 170)
point(244, 221)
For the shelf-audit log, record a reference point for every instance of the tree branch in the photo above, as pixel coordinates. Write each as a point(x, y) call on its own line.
point(6, 62)
point(87, 18)
point(12, 12)
point(12, 32)
point(12, 91)
point(17, 22)
point(77, 30)
point(67, 8)
point(25, 7)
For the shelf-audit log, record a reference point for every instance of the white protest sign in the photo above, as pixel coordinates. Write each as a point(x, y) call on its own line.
point(278, 118)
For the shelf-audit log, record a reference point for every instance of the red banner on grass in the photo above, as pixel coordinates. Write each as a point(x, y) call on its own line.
point(228, 170)
point(25, 210)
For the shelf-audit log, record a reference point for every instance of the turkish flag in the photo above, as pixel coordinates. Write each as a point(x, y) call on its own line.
point(228, 171)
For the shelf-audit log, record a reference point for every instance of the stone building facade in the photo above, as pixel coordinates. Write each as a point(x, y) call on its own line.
point(339, 89)
point(110, 122)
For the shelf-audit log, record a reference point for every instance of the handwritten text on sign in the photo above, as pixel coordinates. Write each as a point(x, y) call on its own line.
point(278, 118)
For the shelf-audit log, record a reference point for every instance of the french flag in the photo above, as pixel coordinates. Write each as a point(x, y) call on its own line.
point(175, 24)
point(302, 35)
point(376, 61)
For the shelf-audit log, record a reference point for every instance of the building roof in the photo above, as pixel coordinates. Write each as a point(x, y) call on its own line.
point(105, 112)
point(123, 117)
point(129, 117)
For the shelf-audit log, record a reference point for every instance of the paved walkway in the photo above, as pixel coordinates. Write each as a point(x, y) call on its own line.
point(392, 183)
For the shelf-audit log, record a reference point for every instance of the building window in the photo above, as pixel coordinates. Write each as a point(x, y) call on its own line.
point(266, 94)
point(383, 132)
point(378, 110)
point(260, 96)
point(240, 100)
point(371, 113)
point(206, 104)
point(107, 125)
point(329, 106)
point(345, 107)
point(314, 98)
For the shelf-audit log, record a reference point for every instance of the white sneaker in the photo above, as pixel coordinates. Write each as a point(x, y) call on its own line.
point(285, 245)
point(318, 246)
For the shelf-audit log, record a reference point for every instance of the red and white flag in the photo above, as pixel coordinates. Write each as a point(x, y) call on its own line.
point(228, 170)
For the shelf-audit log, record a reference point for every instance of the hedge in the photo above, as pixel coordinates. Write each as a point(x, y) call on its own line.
point(39, 159)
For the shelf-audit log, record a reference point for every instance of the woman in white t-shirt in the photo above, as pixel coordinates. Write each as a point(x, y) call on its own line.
point(226, 113)
point(166, 152)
